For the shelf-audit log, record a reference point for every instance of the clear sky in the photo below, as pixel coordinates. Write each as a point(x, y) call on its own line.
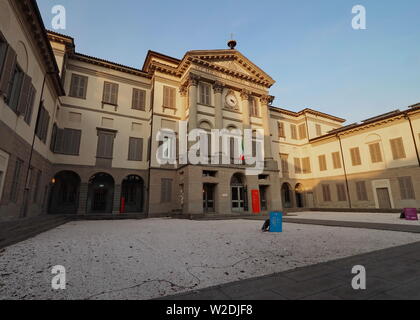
point(309, 47)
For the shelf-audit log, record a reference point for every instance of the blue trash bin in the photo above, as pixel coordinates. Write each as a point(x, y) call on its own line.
point(276, 222)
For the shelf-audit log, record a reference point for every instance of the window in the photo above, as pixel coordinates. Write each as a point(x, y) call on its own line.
point(375, 152)
point(139, 99)
point(15, 88)
point(341, 192)
point(361, 191)
point(306, 165)
point(284, 163)
point(7, 72)
point(293, 130)
point(78, 86)
point(14, 191)
point(318, 130)
point(105, 147)
point(37, 186)
point(169, 97)
point(254, 108)
point(135, 149)
point(355, 157)
point(65, 141)
point(205, 94)
point(30, 102)
point(406, 188)
point(166, 191)
point(322, 163)
point(302, 132)
point(43, 124)
point(336, 160)
point(110, 95)
point(397, 147)
point(263, 198)
point(3, 49)
point(298, 167)
point(280, 126)
point(326, 192)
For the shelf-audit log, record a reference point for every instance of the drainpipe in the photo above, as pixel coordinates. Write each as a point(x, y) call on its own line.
point(414, 137)
point(345, 171)
point(24, 209)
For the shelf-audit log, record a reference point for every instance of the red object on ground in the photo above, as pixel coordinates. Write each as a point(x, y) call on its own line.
point(256, 204)
point(411, 214)
point(122, 209)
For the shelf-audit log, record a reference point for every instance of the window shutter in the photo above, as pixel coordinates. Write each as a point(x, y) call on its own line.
point(398, 150)
point(293, 129)
point(82, 87)
point(355, 157)
point(107, 92)
point(406, 188)
point(326, 192)
point(336, 160)
point(8, 71)
point(361, 191)
point(59, 141)
point(30, 104)
point(281, 130)
point(114, 93)
point(74, 85)
point(302, 132)
point(375, 152)
point(341, 192)
point(322, 163)
point(24, 95)
point(298, 168)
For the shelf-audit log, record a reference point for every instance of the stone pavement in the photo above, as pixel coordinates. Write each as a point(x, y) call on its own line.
point(392, 274)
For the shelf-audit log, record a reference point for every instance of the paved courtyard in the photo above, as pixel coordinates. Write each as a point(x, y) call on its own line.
point(146, 259)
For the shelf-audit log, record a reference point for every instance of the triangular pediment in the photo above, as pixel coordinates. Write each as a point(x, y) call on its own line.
point(231, 61)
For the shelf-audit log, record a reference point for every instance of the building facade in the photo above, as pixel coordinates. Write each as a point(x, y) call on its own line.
point(78, 135)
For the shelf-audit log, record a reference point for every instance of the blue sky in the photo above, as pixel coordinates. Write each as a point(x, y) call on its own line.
point(307, 46)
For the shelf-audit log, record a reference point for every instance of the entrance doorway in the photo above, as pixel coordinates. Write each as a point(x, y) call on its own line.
point(64, 197)
point(132, 190)
point(300, 198)
point(286, 195)
point(384, 199)
point(263, 198)
point(239, 193)
point(208, 198)
point(101, 193)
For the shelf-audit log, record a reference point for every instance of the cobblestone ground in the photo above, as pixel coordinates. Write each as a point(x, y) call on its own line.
point(144, 259)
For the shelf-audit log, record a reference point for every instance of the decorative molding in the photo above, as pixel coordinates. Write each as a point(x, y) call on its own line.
point(218, 87)
point(245, 94)
point(267, 100)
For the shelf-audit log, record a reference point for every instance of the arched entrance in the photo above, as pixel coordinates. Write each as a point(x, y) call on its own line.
point(132, 191)
point(300, 196)
point(239, 193)
point(101, 193)
point(286, 196)
point(64, 198)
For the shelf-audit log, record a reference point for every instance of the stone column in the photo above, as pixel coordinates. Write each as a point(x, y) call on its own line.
point(265, 114)
point(183, 91)
point(116, 205)
point(218, 91)
point(193, 83)
point(83, 197)
point(246, 120)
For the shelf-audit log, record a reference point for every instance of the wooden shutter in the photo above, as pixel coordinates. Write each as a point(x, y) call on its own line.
point(281, 130)
point(284, 163)
point(306, 164)
point(302, 132)
point(30, 105)
point(336, 160)
point(326, 192)
point(139, 99)
point(78, 86)
point(8, 71)
point(293, 129)
point(355, 156)
point(135, 149)
point(341, 192)
point(322, 163)
point(14, 192)
point(397, 147)
point(406, 188)
point(59, 141)
point(298, 167)
point(375, 152)
point(110, 95)
point(71, 141)
point(361, 191)
point(24, 95)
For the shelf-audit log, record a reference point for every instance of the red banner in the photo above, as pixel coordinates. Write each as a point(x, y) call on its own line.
point(256, 204)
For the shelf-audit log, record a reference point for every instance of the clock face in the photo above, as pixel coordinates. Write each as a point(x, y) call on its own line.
point(231, 100)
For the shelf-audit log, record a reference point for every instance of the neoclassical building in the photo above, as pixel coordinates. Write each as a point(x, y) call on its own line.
point(78, 135)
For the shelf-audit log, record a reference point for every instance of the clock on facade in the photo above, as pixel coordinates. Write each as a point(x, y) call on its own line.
point(231, 100)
